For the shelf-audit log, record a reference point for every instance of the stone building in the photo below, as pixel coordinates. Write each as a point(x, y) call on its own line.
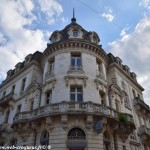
point(73, 96)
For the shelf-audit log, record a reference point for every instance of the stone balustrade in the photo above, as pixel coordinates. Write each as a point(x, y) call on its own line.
point(69, 108)
point(100, 75)
point(5, 100)
point(49, 74)
point(144, 130)
point(141, 104)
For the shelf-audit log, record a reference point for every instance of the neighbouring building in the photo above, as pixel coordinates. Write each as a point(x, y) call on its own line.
point(73, 96)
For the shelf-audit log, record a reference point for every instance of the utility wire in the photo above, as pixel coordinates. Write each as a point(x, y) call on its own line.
point(112, 22)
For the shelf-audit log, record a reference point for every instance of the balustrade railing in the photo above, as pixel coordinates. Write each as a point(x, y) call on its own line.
point(137, 101)
point(7, 97)
point(69, 107)
point(144, 130)
point(100, 75)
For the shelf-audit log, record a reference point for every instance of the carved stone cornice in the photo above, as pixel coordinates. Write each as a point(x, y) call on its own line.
point(76, 79)
point(68, 45)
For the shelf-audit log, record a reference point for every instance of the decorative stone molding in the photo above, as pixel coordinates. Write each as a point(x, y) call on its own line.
point(64, 120)
point(89, 121)
point(76, 80)
point(92, 48)
point(100, 85)
point(49, 123)
point(49, 84)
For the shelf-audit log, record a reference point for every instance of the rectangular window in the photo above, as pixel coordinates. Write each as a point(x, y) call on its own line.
point(18, 108)
point(75, 59)
point(98, 66)
point(52, 65)
point(124, 148)
point(48, 97)
point(134, 95)
point(117, 105)
point(13, 89)
point(4, 93)
point(76, 94)
point(31, 105)
point(7, 116)
point(23, 84)
point(102, 96)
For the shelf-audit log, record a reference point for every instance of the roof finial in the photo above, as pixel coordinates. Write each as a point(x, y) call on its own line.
point(73, 19)
point(73, 12)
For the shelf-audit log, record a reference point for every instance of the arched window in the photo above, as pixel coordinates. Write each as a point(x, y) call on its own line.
point(13, 142)
point(76, 134)
point(44, 138)
point(106, 141)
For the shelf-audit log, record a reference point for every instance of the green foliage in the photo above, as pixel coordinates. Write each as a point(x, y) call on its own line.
point(122, 117)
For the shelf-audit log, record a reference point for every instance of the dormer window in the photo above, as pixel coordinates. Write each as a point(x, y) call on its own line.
point(94, 38)
point(9, 73)
point(126, 68)
point(18, 67)
point(55, 37)
point(133, 75)
point(75, 33)
point(119, 61)
point(28, 59)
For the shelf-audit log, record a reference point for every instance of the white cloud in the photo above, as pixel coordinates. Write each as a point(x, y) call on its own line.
point(124, 31)
point(17, 39)
point(145, 3)
point(52, 8)
point(108, 14)
point(3, 40)
point(134, 50)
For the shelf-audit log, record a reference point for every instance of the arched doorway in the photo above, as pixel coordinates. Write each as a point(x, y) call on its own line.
point(76, 139)
point(44, 140)
point(106, 141)
point(13, 142)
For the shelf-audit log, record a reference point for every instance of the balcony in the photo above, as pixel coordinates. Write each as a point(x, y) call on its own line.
point(49, 74)
point(144, 130)
point(69, 108)
point(5, 127)
point(7, 100)
point(100, 75)
point(144, 133)
point(75, 69)
point(141, 105)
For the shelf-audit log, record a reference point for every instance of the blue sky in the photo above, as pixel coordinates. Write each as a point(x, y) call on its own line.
point(123, 27)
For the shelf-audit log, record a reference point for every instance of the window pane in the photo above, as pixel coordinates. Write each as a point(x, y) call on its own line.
point(72, 90)
point(78, 61)
point(79, 89)
point(72, 61)
point(79, 97)
point(72, 97)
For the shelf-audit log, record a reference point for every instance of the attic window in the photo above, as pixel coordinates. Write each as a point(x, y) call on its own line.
point(95, 39)
point(18, 67)
point(28, 59)
point(75, 33)
point(55, 38)
point(119, 61)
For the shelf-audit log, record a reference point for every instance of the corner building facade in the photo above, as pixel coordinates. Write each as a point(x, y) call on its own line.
point(73, 96)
